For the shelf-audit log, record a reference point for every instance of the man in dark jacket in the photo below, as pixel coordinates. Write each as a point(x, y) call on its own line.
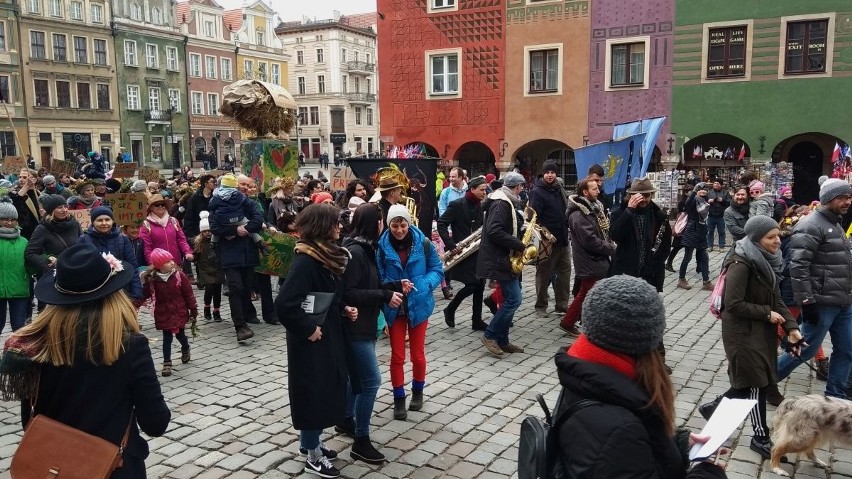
point(548, 200)
point(821, 276)
point(26, 202)
point(200, 201)
point(464, 216)
point(718, 199)
point(501, 232)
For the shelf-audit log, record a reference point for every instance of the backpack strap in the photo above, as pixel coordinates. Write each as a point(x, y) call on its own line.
point(553, 435)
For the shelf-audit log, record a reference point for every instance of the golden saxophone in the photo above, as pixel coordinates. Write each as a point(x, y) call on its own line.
point(530, 251)
point(466, 247)
point(396, 174)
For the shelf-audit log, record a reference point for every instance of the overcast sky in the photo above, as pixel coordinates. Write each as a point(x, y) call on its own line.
point(319, 9)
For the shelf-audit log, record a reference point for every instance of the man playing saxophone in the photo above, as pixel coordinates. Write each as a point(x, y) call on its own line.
point(501, 231)
point(464, 216)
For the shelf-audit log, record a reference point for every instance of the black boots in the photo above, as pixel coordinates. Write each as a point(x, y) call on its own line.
point(207, 315)
point(399, 411)
point(450, 317)
point(216, 316)
point(363, 450)
point(707, 410)
point(761, 445)
point(491, 304)
point(416, 403)
point(347, 426)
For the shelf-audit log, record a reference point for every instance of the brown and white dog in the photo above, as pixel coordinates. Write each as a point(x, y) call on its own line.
point(802, 424)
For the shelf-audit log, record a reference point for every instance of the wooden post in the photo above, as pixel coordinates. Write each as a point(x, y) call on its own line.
point(14, 130)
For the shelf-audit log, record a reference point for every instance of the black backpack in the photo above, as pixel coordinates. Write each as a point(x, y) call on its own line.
point(539, 454)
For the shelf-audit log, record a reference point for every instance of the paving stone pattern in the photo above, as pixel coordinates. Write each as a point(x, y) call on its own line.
point(231, 417)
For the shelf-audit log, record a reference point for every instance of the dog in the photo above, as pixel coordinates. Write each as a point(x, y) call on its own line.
point(802, 424)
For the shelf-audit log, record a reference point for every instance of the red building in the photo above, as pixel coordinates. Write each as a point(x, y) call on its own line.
point(441, 79)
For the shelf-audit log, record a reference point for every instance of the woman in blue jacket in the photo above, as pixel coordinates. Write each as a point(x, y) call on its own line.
point(406, 255)
point(107, 238)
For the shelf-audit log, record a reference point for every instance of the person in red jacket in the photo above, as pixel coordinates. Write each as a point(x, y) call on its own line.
point(174, 303)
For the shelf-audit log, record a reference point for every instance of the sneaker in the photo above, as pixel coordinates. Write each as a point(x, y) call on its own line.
point(244, 333)
point(217, 317)
point(321, 467)
point(207, 314)
point(326, 453)
point(491, 346)
point(761, 445)
point(573, 331)
point(511, 348)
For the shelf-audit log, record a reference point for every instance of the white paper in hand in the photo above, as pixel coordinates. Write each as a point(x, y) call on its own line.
point(308, 304)
point(725, 420)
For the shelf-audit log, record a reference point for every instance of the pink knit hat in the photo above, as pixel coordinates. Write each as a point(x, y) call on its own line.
point(160, 257)
point(318, 198)
point(756, 185)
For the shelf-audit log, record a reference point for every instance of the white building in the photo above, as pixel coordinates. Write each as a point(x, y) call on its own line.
point(332, 76)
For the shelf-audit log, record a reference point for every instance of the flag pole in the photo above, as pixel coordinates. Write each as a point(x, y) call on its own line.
point(12, 123)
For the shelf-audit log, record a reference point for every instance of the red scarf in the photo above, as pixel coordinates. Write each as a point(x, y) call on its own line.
point(471, 197)
point(585, 350)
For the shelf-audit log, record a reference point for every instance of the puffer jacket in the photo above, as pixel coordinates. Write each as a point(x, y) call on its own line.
point(239, 251)
point(170, 238)
point(821, 260)
point(363, 290)
point(425, 273)
point(591, 250)
point(14, 280)
point(49, 239)
point(762, 205)
point(735, 220)
point(173, 304)
point(548, 201)
point(119, 246)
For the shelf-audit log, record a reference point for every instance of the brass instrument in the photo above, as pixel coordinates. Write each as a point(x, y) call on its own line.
point(397, 175)
point(530, 252)
point(466, 247)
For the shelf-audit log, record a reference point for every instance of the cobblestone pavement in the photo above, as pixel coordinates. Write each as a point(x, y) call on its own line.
point(231, 418)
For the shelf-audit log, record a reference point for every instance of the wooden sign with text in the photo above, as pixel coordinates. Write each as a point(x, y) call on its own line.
point(128, 208)
point(61, 167)
point(13, 164)
point(125, 170)
point(148, 173)
point(340, 178)
point(84, 217)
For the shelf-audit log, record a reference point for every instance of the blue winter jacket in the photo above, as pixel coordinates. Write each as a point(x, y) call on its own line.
point(425, 273)
point(239, 251)
point(119, 246)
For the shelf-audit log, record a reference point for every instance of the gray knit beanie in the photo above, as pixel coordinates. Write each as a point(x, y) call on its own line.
point(7, 209)
point(51, 202)
point(757, 226)
point(832, 188)
point(624, 314)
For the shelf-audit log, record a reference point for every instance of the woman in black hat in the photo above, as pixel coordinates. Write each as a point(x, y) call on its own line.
point(84, 358)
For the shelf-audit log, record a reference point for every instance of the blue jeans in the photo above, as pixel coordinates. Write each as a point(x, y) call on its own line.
point(836, 321)
point(18, 308)
point(498, 328)
point(700, 257)
point(310, 438)
point(360, 406)
point(714, 225)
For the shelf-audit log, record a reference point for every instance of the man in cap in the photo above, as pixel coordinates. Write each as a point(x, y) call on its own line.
point(821, 277)
point(389, 193)
point(53, 187)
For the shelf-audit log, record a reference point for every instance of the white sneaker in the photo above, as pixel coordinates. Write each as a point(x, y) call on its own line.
point(321, 467)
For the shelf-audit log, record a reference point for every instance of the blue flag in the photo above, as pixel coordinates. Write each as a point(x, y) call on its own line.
point(651, 128)
point(619, 159)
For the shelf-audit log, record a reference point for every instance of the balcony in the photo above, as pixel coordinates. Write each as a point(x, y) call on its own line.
point(361, 67)
point(158, 117)
point(363, 98)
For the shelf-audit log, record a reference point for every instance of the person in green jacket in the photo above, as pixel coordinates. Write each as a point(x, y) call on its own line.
point(14, 280)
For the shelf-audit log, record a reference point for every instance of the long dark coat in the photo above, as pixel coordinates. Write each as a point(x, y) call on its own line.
point(590, 250)
point(49, 239)
point(317, 370)
point(624, 231)
point(750, 340)
point(695, 233)
point(463, 217)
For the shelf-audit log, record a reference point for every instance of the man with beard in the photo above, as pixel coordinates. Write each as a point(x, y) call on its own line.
point(53, 187)
point(548, 199)
point(25, 199)
point(464, 216)
point(262, 283)
point(736, 215)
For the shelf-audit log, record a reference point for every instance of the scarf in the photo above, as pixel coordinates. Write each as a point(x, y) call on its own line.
point(769, 265)
point(472, 198)
point(585, 350)
point(10, 233)
point(331, 256)
point(643, 224)
point(741, 209)
point(164, 221)
point(18, 368)
point(59, 226)
point(515, 199)
point(401, 245)
point(87, 201)
point(703, 209)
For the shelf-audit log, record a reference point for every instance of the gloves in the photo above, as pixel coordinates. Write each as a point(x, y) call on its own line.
point(809, 313)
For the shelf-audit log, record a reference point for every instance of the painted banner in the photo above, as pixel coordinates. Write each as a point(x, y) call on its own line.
point(263, 160)
point(84, 217)
point(61, 167)
point(340, 178)
point(651, 128)
point(128, 208)
point(617, 157)
point(148, 173)
point(13, 164)
point(279, 253)
point(125, 170)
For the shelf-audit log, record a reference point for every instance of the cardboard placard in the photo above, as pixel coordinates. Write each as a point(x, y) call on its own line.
point(84, 217)
point(148, 173)
point(124, 170)
point(61, 167)
point(340, 178)
point(13, 164)
point(128, 208)
point(279, 248)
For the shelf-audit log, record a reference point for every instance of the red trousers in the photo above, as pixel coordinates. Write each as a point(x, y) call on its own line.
point(417, 344)
point(572, 315)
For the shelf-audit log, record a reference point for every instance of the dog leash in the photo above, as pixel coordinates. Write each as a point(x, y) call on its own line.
point(789, 348)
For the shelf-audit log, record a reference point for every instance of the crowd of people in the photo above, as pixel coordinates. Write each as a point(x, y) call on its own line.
point(362, 270)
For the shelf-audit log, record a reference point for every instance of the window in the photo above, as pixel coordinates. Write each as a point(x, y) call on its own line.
point(100, 52)
point(174, 99)
point(172, 59)
point(60, 52)
point(63, 94)
point(194, 65)
point(369, 58)
point(357, 55)
point(76, 10)
point(628, 64)
point(81, 55)
point(258, 36)
point(445, 74)
point(314, 115)
point(132, 97)
point(154, 99)
point(37, 45)
point(209, 29)
point(42, 95)
point(248, 69)
point(2, 37)
point(369, 85)
point(84, 96)
point(103, 96)
point(343, 54)
point(300, 57)
point(370, 144)
point(321, 84)
point(439, 4)
point(343, 83)
point(197, 106)
point(7, 140)
point(152, 56)
point(157, 148)
point(97, 14)
point(4, 90)
point(135, 12)
point(276, 74)
point(261, 71)
point(226, 69)
point(726, 52)
point(544, 71)
point(806, 47)
point(303, 115)
point(356, 84)
point(369, 117)
point(210, 68)
point(130, 52)
point(156, 16)
point(212, 104)
point(55, 7)
point(320, 56)
point(34, 6)
point(300, 85)
point(357, 115)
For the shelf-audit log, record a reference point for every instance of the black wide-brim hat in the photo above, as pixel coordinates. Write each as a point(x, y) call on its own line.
point(81, 275)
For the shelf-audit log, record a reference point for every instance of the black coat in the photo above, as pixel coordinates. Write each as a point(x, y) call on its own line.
point(548, 201)
point(239, 251)
point(498, 240)
point(362, 289)
point(196, 204)
point(463, 217)
point(99, 400)
point(620, 437)
point(625, 232)
point(27, 207)
point(49, 239)
point(695, 233)
point(590, 248)
point(318, 370)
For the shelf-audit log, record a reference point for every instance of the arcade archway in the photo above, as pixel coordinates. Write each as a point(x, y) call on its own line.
point(475, 158)
point(530, 158)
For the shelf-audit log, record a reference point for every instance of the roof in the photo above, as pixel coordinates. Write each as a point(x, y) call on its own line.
point(360, 20)
point(233, 19)
point(183, 12)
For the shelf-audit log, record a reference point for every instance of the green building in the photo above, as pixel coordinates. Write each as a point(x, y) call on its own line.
point(150, 53)
point(772, 78)
point(11, 86)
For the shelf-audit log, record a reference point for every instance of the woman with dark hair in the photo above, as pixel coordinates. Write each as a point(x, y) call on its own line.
point(198, 202)
point(363, 290)
point(695, 237)
point(313, 186)
point(317, 354)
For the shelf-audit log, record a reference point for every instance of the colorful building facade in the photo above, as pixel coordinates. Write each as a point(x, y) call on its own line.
point(14, 138)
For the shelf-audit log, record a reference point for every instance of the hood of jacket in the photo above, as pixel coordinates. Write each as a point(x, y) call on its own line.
point(582, 204)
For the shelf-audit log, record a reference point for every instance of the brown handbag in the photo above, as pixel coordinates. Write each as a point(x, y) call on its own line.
point(51, 449)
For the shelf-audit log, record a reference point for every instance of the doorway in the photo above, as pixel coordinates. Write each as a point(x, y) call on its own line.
point(807, 158)
point(136, 151)
point(45, 156)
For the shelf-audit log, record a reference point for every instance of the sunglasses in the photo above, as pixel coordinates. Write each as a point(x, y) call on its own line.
point(158, 205)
